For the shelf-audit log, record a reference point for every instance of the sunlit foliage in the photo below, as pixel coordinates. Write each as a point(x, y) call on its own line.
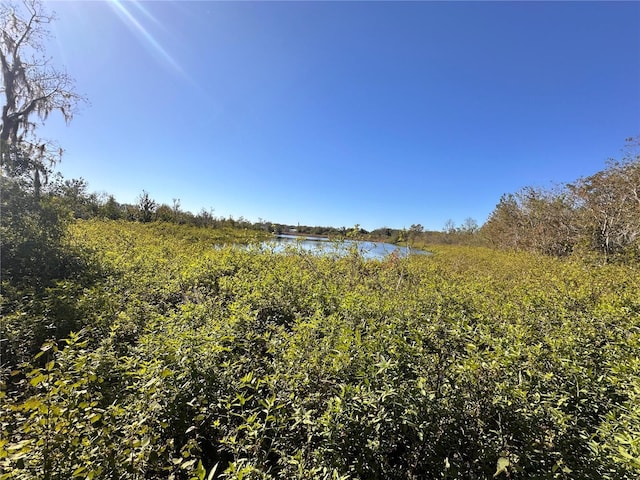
point(197, 361)
point(596, 214)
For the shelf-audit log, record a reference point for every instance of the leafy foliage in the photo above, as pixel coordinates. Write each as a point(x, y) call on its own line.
point(196, 361)
point(599, 213)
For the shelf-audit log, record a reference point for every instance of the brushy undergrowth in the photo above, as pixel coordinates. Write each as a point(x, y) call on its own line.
point(195, 361)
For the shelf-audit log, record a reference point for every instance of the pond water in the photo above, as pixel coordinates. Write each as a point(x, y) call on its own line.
point(322, 246)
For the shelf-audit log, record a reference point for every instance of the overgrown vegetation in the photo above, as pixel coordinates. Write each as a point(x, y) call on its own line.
point(599, 213)
point(140, 341)
point(192, 361)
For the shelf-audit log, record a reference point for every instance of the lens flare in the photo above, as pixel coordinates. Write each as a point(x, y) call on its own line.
point(126, 13)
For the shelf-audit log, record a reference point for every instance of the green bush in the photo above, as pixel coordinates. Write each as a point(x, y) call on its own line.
point(224, 362)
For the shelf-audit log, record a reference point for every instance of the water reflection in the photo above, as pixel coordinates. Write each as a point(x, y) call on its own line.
point(324, 246)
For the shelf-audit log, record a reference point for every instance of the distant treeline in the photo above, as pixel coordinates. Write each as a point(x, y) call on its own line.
point(82, 204)
point(74, 196)
point(597, 214)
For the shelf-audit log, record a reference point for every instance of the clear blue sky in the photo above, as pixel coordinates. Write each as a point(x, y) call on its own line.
point(334, 113)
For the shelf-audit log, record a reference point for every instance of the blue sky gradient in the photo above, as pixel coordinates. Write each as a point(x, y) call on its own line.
point(343, 113)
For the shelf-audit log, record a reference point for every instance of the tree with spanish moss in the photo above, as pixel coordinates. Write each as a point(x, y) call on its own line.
point(32, 88)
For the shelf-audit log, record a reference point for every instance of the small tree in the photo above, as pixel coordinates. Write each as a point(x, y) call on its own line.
point(534, 219)
point(111, 209)
point(415, 232)
point(469, 226)
point(450, 231)
point(146, 207)
point(609, 203)
point(176, 210)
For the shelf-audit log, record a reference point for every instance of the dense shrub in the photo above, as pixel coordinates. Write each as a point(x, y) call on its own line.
point(203, 362)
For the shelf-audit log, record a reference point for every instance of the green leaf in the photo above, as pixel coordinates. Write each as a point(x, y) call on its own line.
point(35, 381)
point(200, 471)
point(502, 465)
point(78, 471)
